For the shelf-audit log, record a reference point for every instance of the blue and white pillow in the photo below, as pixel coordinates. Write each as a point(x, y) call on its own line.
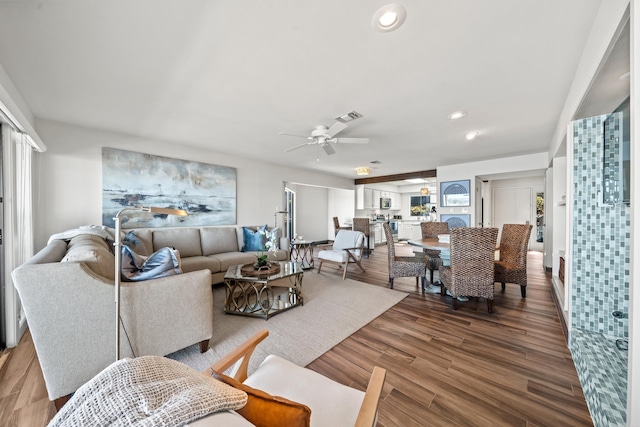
point(162, 263)
point(253, 240)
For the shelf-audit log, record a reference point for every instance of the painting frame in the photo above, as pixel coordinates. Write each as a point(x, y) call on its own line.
point(456, 220)
point(455, 193)
point(207, 192)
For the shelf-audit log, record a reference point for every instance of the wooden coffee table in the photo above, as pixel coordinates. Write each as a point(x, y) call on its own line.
point(263, 296)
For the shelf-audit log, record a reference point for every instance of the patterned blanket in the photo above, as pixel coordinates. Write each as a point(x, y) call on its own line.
point(147, 391)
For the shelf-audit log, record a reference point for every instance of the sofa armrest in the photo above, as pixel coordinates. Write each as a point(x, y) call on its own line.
point(71, 315)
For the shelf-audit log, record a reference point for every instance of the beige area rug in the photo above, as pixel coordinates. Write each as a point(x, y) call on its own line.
point(333, 309)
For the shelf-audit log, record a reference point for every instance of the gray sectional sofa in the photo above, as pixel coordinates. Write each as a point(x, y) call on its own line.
point(67, 291)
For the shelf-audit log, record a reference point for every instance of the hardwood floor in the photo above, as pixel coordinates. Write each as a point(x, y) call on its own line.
point(444, 368)
point(468, 367)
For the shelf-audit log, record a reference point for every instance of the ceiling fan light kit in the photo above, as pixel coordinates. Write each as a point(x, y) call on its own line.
point(322, 136)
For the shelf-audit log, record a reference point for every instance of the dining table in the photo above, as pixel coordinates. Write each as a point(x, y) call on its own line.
point(445, 256)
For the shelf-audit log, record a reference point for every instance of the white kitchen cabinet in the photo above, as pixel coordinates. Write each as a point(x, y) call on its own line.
point(375, 199)
point(404, 230)
point(360, 197)
point(368, 198)
point(416, 231)
point(396, 201)
point(380, 237)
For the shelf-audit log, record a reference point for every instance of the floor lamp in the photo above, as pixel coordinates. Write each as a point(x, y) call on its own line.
point(118, 253)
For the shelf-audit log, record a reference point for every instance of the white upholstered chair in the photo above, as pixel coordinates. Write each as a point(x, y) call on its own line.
point(347, 249)
point(331, 403)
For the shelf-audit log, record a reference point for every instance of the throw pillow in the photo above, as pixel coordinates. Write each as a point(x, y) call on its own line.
point(265, 410)
point(133, 241)
point(253, 240)
point(163, 262)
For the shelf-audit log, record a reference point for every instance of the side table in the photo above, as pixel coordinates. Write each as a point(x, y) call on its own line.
point(302, 253)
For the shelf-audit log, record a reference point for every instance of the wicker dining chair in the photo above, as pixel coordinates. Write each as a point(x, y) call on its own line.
point(336, 225)
point(470, 272)
point(362, 225)
point(511, 267)
point(430, 230)
point(400, 266)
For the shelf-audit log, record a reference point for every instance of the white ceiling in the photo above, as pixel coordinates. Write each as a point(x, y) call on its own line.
point(229, 75)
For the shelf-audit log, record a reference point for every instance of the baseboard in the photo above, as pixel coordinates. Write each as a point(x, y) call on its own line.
point(563, 323)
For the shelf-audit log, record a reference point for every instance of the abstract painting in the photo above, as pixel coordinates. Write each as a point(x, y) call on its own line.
point(207, 192)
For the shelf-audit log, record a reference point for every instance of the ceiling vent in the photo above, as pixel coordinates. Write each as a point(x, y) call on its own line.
point(348, 117)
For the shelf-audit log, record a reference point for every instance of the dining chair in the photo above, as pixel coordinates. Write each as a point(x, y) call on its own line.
point(511, 267)
point(431, 230)
point(362, 225)
point(470, 272)
point(347, 249)
point(336, 225)
point(401, 266)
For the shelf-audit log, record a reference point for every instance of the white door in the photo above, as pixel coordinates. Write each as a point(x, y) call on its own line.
point(514, 206)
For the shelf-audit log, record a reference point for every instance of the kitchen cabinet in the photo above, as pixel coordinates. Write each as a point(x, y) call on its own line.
point(404, 230)
point(396, 201)
point(360, 197)
point(369, 202)
point(416, 231)
point(380, 237)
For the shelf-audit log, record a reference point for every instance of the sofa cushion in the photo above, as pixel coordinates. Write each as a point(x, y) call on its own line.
point(100, 260)
point(265, 410)
point(186, 240)
point(217, 240)
point(195, 263)
point(253, 240)
point(133, 241)
point(162, 263)
point(88, 239)
point(228, 259)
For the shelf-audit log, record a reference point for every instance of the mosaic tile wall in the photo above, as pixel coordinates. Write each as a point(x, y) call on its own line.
point(601, 238)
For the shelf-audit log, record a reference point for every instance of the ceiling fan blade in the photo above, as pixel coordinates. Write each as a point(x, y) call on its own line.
point(293, 134)
point(298, 146)
point(352, 140)
point(328, 149)
point(337, 127)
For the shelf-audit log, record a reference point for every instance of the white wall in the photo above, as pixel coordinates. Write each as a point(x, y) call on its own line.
point(341, 203)
point(69, 179)
point(311, 212)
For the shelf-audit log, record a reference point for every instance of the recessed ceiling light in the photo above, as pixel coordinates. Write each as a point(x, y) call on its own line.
point(388, 17)
point(457, 115)
point(471, 135)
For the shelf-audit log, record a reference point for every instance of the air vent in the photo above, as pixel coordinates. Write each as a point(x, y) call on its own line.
point(348, 117)
point(375, 162)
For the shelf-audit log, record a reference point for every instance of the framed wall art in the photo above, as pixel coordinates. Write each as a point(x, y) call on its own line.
point(456, 220)
point(207, 192)
point(454, 193)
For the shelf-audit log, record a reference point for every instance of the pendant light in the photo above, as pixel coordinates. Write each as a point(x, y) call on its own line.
point(424, 191)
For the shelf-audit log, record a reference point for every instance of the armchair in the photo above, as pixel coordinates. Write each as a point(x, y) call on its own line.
point(470, 272)
point(331, 403)
point(347, 249)
point(512, 265)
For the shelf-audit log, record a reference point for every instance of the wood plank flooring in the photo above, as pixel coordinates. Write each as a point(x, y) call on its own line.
point(444, 368)
point(468, 367)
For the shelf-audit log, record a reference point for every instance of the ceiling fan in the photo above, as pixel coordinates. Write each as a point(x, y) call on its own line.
point(323, 137)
